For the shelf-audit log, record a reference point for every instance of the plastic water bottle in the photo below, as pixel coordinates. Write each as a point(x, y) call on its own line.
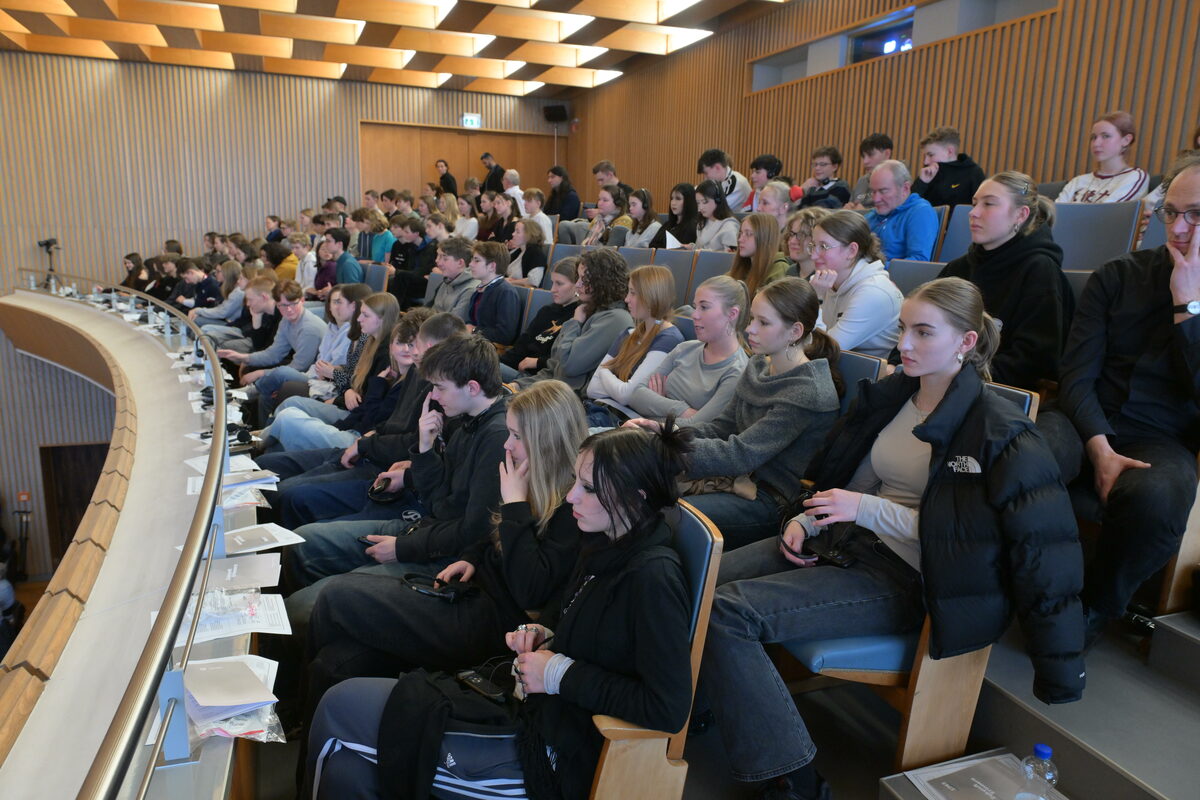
point(1040, 774)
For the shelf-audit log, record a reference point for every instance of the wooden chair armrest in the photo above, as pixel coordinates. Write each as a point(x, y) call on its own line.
point(615, 729)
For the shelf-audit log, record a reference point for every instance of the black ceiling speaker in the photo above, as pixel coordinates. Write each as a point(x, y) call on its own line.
point(555, 113)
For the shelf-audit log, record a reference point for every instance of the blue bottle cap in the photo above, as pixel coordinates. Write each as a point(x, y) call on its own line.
point(1042, 751)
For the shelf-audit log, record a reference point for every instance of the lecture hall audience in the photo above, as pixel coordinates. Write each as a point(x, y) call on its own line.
point(503, 493)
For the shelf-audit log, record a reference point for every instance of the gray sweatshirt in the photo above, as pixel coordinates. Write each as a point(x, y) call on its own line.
point(228, 311)
point(691, 383)
point(579, 349)
point(455, 296)
point(771, 428)
point(301, 338)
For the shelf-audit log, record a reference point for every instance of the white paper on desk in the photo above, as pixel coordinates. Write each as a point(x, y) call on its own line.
point(195, 483)
point(672, 242)
point(262, 478)
point(239, 394)
point(216, 691)
point(181, 365)
point(245, 572)
point(270, 617)
point(983, 778)
point(132, 316)
point(254, 538)
point(238, 463)
point(198, 406)
point(233, 414)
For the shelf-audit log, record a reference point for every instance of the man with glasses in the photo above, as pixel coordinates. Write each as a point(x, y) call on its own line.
point(1130, 399)
point(905, 223)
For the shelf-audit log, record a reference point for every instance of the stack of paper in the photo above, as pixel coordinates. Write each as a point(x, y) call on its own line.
point(222, 689)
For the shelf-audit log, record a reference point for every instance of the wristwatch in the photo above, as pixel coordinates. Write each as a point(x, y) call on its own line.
point(1192, 308)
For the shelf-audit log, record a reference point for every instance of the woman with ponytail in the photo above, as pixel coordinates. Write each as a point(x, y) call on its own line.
point(616, 643)
point(697, 379)
point(1017, 266)
point(785, 402)
point(951, 506)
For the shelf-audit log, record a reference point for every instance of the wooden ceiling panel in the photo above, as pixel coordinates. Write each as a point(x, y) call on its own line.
point(513, 47)
point(10, 25)
point(279, 6)
point(409, 77)
point(304, 68)
point(542, 26)
point(188, 58)
point(368, 56)
point(201, 16)
point(246, 44)
point(557, 55)
point(315, 29)
point(653, 39)
point(109, 30)
point(392, 12)
point(39, 6)
point(577, 76)
point(450, 43)
point(479, 67)
point(62, 45)
point(494, 86)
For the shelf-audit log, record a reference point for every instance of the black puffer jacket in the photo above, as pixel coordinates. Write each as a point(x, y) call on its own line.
point(996, 526)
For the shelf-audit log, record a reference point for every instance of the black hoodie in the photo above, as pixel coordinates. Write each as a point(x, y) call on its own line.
point(1024, 288)
point(954, 184)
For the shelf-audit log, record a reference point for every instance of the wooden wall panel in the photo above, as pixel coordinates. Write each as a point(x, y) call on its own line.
point(110, 157)
point(41, 404)
point(399, 156)
point(1023, 93)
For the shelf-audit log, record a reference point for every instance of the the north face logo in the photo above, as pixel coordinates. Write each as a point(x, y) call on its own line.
point(964, 464)
point(450, 762)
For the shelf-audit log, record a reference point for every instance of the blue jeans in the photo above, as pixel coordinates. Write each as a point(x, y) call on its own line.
point(762, 598)
point(331, 548)
point(268, 384)
point(303, 502)
point(295, 429)
point(740, 521)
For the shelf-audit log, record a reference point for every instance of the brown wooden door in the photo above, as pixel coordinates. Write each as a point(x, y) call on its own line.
point(69, 476)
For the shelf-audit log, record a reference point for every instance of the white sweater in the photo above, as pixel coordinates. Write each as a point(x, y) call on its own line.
point(1129, 184)
point(863, 313)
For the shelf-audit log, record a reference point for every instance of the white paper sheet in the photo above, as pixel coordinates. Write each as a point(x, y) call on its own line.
point(270, 616)
point(224, 689)
point(245, 572)
point(254, 538)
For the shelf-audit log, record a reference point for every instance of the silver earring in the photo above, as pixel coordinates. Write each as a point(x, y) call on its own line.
point(958, 357)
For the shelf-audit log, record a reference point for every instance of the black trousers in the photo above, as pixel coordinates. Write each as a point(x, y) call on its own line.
point(1144, 519)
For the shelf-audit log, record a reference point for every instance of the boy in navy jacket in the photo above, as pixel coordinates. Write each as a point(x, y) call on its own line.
point(495, 310)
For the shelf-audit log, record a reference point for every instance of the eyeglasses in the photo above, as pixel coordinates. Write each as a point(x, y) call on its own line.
point(824, 247)
point(293, 304)
point(1167, 216)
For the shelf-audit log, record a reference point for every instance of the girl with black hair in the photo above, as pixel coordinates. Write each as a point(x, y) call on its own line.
point(563, 199)
point(683, 217)
point(617, 645)
point(717, 228)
